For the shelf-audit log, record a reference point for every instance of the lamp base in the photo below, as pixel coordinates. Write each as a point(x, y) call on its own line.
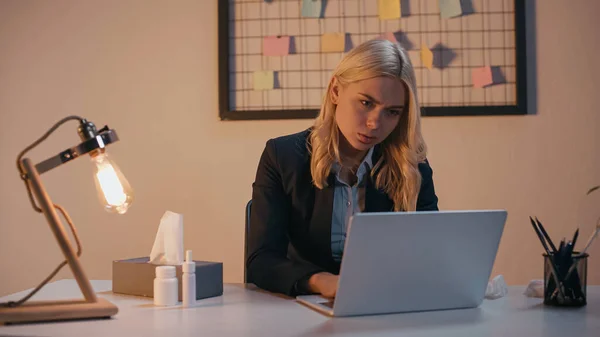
point(30, 312)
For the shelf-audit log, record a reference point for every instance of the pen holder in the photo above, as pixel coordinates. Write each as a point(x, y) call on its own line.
point(565, 280)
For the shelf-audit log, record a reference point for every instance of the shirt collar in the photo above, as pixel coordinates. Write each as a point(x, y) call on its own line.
point(365, 165)
point(369, 158)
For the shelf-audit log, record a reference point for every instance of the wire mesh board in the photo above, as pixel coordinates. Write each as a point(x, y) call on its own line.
point(276, 57)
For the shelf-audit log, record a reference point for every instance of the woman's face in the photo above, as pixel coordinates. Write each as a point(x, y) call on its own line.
point(368, 111)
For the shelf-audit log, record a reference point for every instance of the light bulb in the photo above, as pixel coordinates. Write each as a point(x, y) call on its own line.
point(113, 189)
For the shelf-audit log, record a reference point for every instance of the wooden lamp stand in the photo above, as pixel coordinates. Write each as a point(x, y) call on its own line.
point(90, 306)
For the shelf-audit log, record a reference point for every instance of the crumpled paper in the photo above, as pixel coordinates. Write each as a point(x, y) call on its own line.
point(535, 288)
point(496, 288)
point(168, 244)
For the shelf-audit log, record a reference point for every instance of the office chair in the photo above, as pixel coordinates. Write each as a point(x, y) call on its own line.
point(248, 208)
point(291, 254)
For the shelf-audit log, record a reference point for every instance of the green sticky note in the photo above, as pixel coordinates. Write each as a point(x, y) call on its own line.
point(264, 80)
point(312, 8)
point(450, 8)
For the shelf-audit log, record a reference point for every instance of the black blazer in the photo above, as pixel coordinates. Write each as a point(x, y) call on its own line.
point(290, 224)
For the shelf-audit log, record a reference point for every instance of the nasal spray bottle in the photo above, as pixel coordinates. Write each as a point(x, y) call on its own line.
point(188, 280)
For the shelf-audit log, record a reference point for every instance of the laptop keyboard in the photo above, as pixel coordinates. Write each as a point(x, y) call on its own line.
point(328, 304)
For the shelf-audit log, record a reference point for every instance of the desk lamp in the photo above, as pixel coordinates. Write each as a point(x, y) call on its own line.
point(115, 194)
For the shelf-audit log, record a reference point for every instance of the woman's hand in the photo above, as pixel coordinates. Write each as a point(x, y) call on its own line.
point(324, 283)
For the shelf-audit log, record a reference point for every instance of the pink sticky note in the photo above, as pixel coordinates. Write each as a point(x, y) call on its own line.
point(390, 37)
point(482, 77)
point(276, 45)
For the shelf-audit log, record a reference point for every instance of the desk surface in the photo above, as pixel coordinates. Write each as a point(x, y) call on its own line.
point(247, 311)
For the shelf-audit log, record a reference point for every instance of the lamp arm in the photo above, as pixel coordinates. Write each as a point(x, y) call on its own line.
point(34, 144)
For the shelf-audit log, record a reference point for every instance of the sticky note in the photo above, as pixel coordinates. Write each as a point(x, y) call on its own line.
point(264, 80)
point(276, 45)
point(388, 9)
point(426, 57)
point(450, 8)
point(333, 42)
point(482, 77)
point(390, 36)
point(311, 8)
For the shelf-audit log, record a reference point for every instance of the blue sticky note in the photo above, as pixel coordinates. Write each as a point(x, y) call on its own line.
point(311, 8)
point(450, 8)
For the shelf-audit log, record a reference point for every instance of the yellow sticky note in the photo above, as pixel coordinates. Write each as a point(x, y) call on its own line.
point(333, 42)
point(426, 57)
point(264, 80)
point(389, 9)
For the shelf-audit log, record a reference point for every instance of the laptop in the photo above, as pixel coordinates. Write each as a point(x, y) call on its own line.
point(414, 261)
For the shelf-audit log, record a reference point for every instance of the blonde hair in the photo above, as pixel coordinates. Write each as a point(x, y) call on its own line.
point(396, 172)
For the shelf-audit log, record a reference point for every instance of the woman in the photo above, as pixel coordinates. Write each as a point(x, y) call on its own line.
point(365, 153)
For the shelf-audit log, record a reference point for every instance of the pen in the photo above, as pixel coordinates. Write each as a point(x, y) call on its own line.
point(545, 234)
point(539, 234)
point(561, 247)
point(550, 256)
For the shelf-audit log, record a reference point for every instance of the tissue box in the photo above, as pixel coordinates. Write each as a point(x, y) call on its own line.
point(136, 277)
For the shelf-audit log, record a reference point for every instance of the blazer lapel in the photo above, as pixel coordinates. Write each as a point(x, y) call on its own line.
point(320, 223)
point(376, 200)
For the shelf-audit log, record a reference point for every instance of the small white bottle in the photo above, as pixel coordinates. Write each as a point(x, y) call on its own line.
point(165, 286)
point(188, 280)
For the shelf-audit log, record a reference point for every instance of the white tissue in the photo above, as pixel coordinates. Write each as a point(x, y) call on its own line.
point(168, 244)
point(535, 288)
point(496, 288)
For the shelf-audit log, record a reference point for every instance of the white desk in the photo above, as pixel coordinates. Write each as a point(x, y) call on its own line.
point(246, 311)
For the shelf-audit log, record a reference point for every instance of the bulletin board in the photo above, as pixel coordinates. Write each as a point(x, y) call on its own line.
point(276, 57)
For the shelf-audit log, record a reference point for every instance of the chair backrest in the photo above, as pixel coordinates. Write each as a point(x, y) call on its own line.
point(291, 252)
point(247, 216)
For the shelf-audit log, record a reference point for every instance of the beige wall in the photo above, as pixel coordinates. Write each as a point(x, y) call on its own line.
point(148, 69)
